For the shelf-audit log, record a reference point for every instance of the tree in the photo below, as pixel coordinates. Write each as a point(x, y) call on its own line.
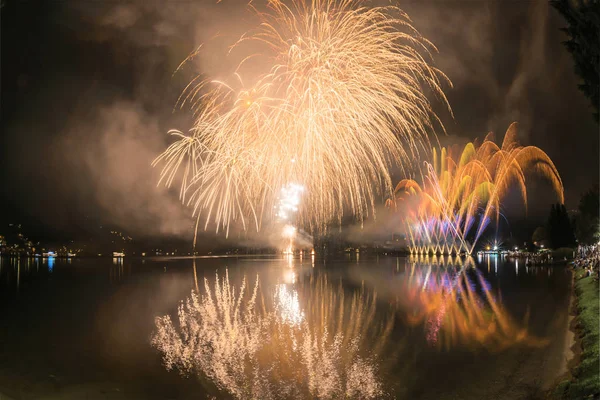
point(560, 231)
point(588, 220)
point(540, 236)
point(583, 30)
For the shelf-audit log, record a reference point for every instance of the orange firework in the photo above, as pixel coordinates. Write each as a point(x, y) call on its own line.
point(461, 196)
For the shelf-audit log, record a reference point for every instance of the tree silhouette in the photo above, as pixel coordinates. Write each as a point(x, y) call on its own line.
point(540, 236)
point(559, 227)
point(583, 30)
point(588, 220)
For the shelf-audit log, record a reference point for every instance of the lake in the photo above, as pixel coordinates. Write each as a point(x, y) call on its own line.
point(360, 326)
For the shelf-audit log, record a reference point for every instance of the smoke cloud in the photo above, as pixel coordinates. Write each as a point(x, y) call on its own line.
point(116, 157)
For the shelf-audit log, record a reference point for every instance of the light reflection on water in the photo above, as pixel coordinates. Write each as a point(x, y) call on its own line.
point(307, 336)
point(288, 305)
point(356, 329)
point(457, 306)
point(250, 347)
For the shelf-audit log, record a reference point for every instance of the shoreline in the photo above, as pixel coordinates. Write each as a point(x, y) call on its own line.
point(572, 350)
point(579, 379)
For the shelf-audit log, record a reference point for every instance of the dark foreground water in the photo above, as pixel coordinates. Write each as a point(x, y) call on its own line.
point(378, 327)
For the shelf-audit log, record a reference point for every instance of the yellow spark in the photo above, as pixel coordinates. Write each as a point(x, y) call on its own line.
point(343, 97)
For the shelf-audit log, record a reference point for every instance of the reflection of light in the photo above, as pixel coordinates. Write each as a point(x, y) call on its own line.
point(453, 306)
point(50, 264)
point(289, 277)
point(18, 272)
point(289, 257)
point(288, 305)
point(225, 332)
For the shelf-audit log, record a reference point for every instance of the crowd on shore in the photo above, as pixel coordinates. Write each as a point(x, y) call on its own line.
point(539, 258)
point(588, 259)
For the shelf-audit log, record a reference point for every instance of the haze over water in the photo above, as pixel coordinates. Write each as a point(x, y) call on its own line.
point(441, 327)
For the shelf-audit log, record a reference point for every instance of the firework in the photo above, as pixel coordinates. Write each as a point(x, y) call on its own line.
point(288, 207)
point(340, 102)
point(460, 196)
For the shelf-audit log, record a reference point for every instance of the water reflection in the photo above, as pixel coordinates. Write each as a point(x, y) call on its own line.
point(455, 305)
point(18, 273)
point(117, 270)
point(306, 339)
point(341, 331)
point(288, 305)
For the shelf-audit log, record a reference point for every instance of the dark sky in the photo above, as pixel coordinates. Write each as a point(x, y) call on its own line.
point(88, 95)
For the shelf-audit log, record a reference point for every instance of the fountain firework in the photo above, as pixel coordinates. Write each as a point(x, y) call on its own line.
point(461, 195)
point(340, 102)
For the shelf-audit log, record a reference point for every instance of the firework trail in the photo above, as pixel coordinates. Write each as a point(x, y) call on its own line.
point(288, 207)
point(341, 102)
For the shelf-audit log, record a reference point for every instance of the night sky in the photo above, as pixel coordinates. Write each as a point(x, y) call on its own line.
point(88, 95)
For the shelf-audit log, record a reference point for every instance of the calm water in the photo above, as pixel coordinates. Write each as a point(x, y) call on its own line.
point(430, 328)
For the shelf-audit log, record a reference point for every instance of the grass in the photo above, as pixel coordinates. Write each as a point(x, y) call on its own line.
point(585, 382)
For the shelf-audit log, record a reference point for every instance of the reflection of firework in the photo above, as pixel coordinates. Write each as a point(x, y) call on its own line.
point(461, 195)
point(329, 350)
point(455, 308)
point(340, 103)
point(289, 305)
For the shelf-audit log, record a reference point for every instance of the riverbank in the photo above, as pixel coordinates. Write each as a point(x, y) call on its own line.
point(585, 376)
